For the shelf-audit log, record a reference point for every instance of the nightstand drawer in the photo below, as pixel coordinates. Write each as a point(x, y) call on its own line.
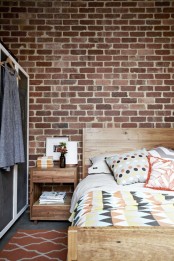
point(39, 177)
point(64, 176)
point(50, 213)
point(58, 211)
point(64, 179)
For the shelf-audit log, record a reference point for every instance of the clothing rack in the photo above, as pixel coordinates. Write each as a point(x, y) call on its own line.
point(14, 183)
point(8, 50)
point(9, 61)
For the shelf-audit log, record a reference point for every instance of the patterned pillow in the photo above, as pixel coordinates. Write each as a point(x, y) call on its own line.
point(161, 174)
point(162, 152)
point(130, 167)
point(99, 164)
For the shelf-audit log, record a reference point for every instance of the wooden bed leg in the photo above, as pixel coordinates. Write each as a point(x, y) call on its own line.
point(72, 244)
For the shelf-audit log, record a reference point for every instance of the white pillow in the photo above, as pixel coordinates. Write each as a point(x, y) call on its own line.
point(162, 152)
point(99, 164)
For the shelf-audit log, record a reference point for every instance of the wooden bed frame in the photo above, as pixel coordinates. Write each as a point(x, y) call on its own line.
point(121, 243)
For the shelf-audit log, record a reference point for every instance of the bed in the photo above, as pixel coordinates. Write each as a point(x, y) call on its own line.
point(120, 241)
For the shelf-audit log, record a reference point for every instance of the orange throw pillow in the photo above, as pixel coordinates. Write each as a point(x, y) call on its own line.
point(161, 174)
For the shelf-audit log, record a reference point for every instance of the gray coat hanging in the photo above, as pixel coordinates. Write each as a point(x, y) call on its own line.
point(11, 138)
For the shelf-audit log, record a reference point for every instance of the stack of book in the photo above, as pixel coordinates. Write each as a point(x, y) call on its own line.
point(45, 162)
point(52, 197)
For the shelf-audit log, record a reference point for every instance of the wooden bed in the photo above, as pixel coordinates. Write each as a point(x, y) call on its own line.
point(121, 243)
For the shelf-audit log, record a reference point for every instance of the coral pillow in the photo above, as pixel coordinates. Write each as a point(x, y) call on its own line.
point(161, 174)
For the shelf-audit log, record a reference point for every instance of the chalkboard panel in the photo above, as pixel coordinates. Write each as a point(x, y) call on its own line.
point(6, 197)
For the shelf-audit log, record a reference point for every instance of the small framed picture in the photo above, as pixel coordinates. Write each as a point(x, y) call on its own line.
point(52, 145)
point(71, 156)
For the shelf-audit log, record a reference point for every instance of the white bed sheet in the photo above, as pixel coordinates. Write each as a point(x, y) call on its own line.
point(105, 182)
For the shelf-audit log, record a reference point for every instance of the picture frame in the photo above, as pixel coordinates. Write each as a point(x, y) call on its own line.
point(72, 155)
point(52, 143)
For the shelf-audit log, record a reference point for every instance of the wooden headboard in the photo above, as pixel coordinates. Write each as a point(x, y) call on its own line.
point(98, 141)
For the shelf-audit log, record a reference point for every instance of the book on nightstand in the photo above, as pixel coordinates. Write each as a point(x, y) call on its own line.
point(50, 197)
point(45, 162)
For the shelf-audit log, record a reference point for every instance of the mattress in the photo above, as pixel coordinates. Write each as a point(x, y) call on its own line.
point(99, 201)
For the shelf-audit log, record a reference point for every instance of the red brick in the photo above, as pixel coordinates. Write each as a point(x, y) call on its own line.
point(137, 94)
point(168, 94)
point(129, 113)
point(153, 94)
point(119, 94)
point(129, 100)
point(163, 125)
point(35, 94)
point(94, 100)
point(129, 125)
point(34, 107)
point(35, 119)
point(52, 132)
point(120, 107)
point(162, 100)
point(103, 107)
point(155, 106)
point(162, 76)
point(112, 101)
point(154, 119)
point(163, 113)
point(146, 125)
point(104, 119)
point(68, 107)
point(138, 119)
point(60, 113)
point(43, 113)
point(169, 119)
point(85, 94)
point(121, 119)
point(43, 100)
point(146, 113)
point(42, 125)
point(102, 94)
point(86, 107)
point(137, 106)
point(78, 113)
point(111, 113)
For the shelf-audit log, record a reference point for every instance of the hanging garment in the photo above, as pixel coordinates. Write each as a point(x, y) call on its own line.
point(11, 138)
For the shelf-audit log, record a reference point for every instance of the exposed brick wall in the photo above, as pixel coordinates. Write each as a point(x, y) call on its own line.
point(92, 64)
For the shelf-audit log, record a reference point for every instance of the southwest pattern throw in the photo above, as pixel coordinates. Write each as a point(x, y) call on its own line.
point(124, 208)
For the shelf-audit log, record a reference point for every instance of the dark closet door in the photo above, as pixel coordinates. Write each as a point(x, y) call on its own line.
point(6, 198)
point(6, 178)
point(22, 189)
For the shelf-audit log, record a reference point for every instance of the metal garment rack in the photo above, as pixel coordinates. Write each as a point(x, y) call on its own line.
point(14, 183)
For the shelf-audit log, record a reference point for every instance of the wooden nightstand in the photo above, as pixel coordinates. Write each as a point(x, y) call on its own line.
point(51, 175)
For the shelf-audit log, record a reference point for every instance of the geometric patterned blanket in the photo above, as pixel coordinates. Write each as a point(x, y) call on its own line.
point(124, 208)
